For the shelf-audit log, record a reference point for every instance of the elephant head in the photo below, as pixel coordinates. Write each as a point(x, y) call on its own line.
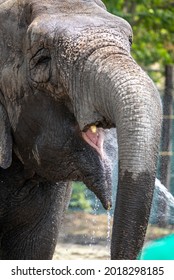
point(66, 73)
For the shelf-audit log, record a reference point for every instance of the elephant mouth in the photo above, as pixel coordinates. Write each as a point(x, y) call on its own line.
point(94, 136)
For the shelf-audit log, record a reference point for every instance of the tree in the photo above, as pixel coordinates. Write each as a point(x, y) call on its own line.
point(153, 26)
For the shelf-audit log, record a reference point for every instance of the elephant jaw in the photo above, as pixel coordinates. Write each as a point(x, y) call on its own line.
point(94, 136)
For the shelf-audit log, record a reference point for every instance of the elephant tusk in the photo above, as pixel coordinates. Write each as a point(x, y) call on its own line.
point(109, 206)
point(93, 128)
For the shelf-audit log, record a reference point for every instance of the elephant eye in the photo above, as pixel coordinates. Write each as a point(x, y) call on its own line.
point(43, 60)
point(41, 57)
point(40, 66)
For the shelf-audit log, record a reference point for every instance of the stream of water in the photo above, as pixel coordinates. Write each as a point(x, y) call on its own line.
point(108, 237)
point(166, 194)
point(94, 221)
point(161, 197)
point(162, 206)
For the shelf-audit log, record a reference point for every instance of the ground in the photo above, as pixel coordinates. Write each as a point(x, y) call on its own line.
point(86, 236)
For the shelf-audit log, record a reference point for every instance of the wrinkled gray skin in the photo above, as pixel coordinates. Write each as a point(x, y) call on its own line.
point(65, 65)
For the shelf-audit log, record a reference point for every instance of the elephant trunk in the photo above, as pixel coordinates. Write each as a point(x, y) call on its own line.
point(138, 122)
point(118, 92)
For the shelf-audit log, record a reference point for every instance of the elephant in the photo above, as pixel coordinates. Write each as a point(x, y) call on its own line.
point(66, 75)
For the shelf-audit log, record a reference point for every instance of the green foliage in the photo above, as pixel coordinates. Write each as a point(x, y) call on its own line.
point(78, 199)
point(153, 27)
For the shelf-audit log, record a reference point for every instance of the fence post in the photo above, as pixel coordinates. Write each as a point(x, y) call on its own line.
point(166, 145)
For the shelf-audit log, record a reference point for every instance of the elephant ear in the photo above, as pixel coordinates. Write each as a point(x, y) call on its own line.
point(5, 139)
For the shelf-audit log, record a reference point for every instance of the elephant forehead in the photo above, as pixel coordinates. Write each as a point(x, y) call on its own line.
point(68, 7)
point(79, 20)
point(76, 33)
point(79, 12)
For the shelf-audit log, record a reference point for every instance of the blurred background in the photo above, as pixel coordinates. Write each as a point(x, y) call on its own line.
point(153, 48)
